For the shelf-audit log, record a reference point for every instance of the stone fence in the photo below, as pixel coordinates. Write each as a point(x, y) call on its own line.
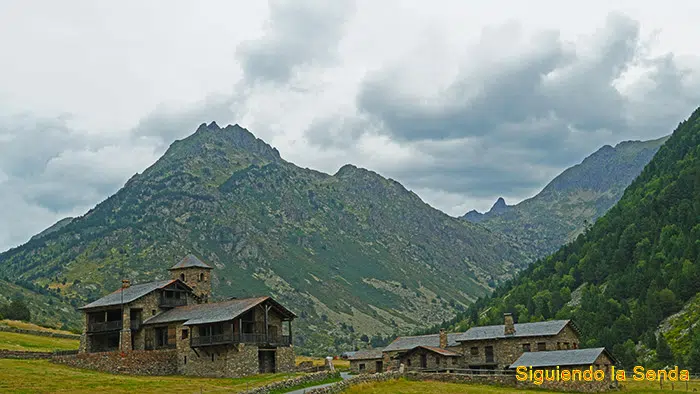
point(137, 362)
point(499, 380)
point(39, 333)
point(289, 383)
point(24, 354)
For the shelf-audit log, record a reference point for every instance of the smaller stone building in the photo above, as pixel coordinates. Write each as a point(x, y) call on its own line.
point(498, 346)
point(366, 361)
point(431, 358)
point(441, 346)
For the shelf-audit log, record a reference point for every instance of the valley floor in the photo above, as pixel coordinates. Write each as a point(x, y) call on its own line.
point(410, 387)
point(42, 376)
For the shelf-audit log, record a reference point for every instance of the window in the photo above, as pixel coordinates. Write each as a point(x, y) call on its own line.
point(408, 362)
point(362, 367)
point(437, 360)
point(566, 345)
point(212, 357)
point(558, 345)
point(541, 346)
point(185, 360)
point(201, 277)
point(182, 277)
point(153, 312)
point(488, 352)
point(185, 333)
point(475, 351)
point(526, 347)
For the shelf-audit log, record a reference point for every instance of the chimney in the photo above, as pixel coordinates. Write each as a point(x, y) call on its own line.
point(509, 326)
point(125, 283)
point(443, 338)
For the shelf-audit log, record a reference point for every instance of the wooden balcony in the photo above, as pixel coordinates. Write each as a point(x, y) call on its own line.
point(248, 338)
point(105, 326)
point(166, 302)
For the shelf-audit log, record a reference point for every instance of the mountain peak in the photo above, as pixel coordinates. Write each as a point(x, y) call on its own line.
point(499, 206)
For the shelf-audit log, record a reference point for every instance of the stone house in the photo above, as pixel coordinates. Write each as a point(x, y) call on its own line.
point(366, 361)
point(497, 347)
point(230, 338)
point(423, 351)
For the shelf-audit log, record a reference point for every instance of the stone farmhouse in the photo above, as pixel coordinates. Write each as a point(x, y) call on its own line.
point(230, 338)
point(485, 348)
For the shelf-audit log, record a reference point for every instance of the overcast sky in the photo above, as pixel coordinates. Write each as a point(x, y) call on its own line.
point(461, 101)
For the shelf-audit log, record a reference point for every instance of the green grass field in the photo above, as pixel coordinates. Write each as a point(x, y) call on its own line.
point(409, 387)
point(35, 343)
point(30, 326)
point(42, 376)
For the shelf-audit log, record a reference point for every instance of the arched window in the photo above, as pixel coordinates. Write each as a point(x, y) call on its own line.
point(182, 277)
point(201, 277)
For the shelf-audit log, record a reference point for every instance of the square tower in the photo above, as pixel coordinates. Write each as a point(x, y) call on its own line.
point(196, 274)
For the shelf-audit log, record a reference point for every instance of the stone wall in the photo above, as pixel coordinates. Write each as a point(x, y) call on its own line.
point(370, 365)
point(154, 362)
point(412, 359)
point(507, 350)
point(24, 354)
point(285, 384)
point(286, 360)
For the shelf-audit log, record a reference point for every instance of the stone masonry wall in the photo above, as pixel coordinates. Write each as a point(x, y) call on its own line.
point(285, 359)
point(433, 360)
point(507, 350)
point(286, 384)
point(370, 365)
point(154, 362)
point(24, 354)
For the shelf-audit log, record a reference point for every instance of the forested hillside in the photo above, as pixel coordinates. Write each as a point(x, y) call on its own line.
point(636, 266)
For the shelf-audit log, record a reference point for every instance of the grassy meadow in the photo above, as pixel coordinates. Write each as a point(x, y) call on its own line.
point(30, 326)
point(42, 376)
point(338, 364)
point(404, 386)
point(35, 343)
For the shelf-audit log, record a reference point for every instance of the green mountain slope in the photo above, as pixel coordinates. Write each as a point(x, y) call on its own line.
point(352, 254)
point(636, 266)
point(54, 227)
point(573, 200)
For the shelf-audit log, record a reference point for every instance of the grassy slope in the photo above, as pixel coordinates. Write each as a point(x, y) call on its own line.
point(31, 326)
point(35, 343)
point(33, 376)
point(407, 387)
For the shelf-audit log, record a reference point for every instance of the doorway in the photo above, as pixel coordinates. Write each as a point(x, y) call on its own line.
point(380, 366)
point(423, 361)
point(266, 360)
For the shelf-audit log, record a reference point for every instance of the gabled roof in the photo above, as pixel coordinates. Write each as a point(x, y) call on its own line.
point(214, 312)
point(407, 343)
point(190, 261)
point(545, 328)
point(369, 354)
point(438, 350)
point(560, 358)
point(132, 293)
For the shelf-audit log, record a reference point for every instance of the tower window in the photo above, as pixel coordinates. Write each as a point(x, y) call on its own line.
point(182, 277)
point(201, 277)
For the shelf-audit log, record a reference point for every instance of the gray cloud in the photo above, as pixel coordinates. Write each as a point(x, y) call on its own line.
point(513, 117)
point(298, 33)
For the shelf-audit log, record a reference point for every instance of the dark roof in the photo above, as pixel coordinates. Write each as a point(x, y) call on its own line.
point(369, 354)
point(560, 358)
point(190, 261)
point(213, 312)
point(545, 328)
point(131, 293)
point(438, 350)
point(407, 343)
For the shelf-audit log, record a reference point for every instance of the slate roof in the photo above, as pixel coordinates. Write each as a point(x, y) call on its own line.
point(212, 312)
point(440, 351)
point(407, 343)
point(131, 293)
point(545, 328)
point(560, 357)
point(190, 261)
point(369, 354)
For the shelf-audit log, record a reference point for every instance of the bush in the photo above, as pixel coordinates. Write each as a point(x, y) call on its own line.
point(16, 310)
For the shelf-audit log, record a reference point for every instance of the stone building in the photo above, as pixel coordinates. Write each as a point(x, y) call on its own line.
point(435, 349)
point(230, 338)
point(497, 347)
point(366, 361)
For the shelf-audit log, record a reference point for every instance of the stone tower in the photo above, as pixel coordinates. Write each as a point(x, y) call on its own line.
point(196, 274)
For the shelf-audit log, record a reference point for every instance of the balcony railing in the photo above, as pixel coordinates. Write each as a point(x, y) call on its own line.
point(249, 338)
point(172, 302)
point(103, 326)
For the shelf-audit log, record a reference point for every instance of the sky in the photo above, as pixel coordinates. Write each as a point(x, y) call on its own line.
point(461, 101)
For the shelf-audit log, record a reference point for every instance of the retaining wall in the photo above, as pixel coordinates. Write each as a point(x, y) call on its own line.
point(138, 362)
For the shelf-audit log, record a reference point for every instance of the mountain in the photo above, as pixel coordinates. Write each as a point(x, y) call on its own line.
point(630, 281)
point(55, 227)
point(573, 200)
point(352, 253)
